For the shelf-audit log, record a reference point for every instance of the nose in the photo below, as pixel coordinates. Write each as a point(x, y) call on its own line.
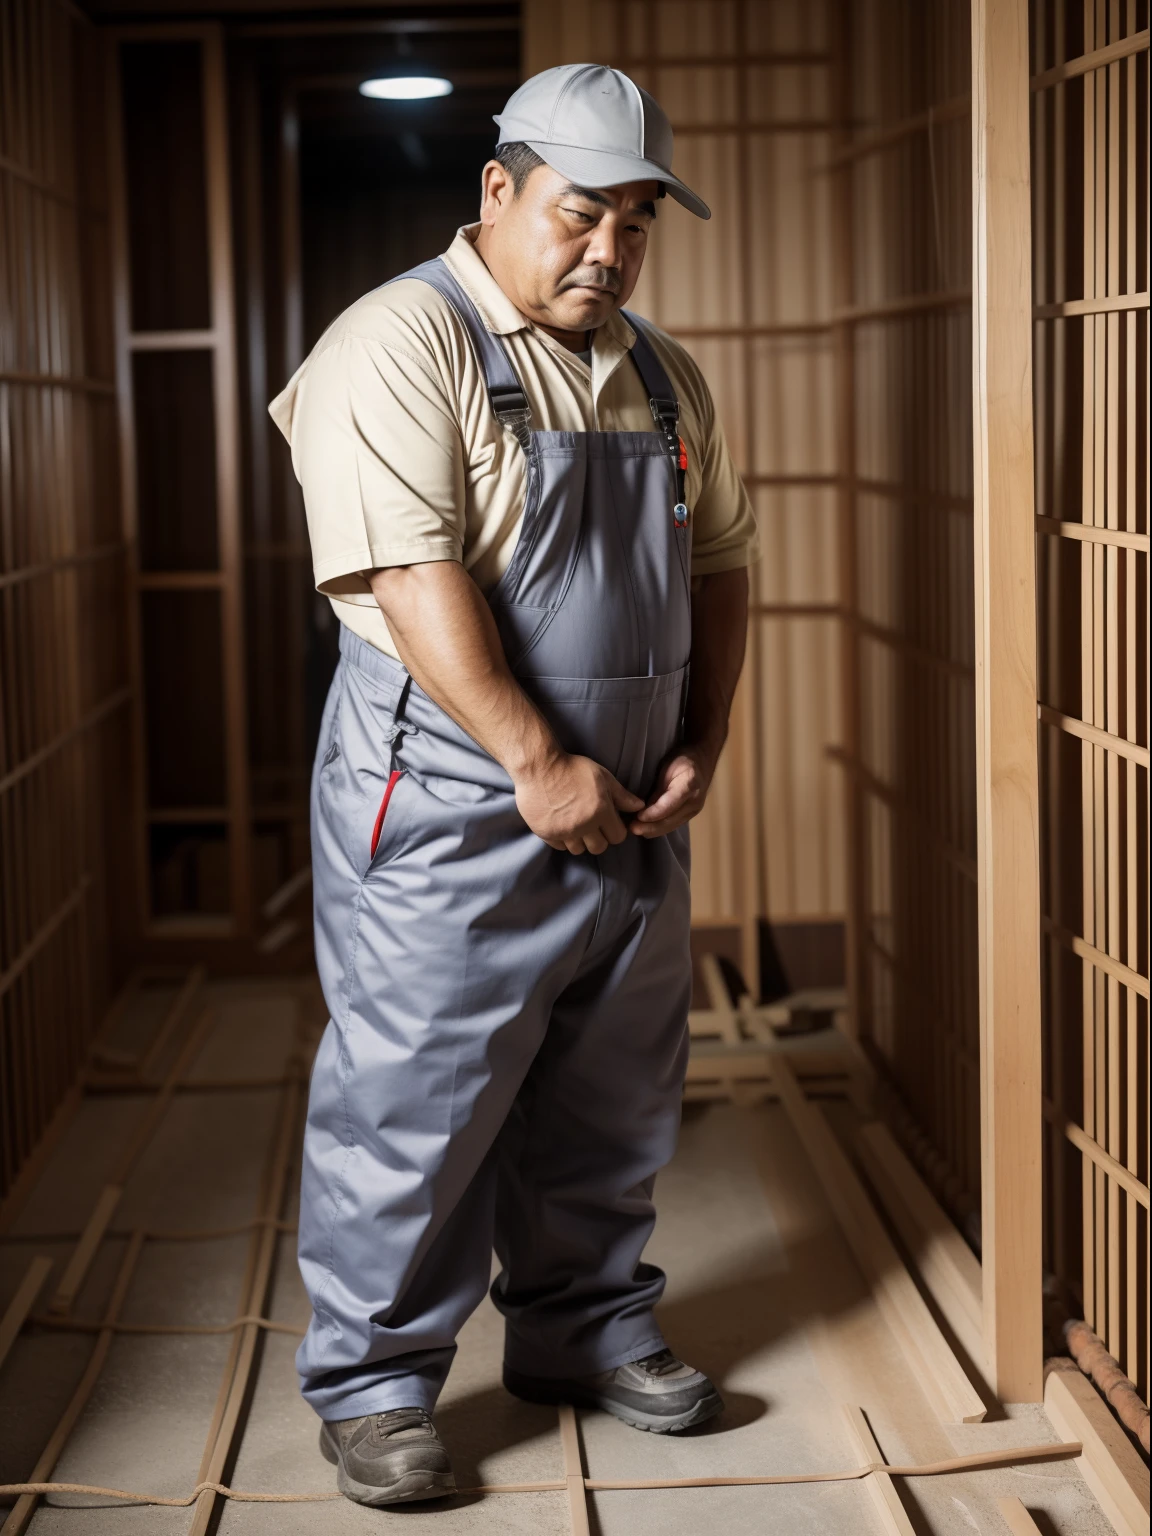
point(603, 248)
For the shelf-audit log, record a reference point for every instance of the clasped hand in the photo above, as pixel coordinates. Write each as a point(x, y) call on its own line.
point(576, 805)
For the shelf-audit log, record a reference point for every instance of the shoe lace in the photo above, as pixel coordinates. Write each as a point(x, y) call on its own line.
point(662, 1363)
point(401, 1421)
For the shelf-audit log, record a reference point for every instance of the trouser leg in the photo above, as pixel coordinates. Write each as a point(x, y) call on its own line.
point(395, 1256)
point(441, 955)
point(596, 1119)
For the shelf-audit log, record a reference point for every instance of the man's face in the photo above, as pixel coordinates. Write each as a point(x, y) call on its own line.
point(566, 256)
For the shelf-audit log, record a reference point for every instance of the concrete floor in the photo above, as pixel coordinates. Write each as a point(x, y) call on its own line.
point(762, 1294)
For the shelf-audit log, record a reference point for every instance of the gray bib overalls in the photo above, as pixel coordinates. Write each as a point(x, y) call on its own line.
point(505, 1056)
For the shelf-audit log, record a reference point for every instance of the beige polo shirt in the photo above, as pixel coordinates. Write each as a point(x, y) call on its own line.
point(402, 460)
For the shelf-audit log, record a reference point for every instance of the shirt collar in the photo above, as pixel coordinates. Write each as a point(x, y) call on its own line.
point(500, 315)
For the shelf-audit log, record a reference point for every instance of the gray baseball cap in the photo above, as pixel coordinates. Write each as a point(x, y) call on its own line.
point(596, 126)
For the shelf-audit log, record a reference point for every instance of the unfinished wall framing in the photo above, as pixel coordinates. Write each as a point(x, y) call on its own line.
point(65, 682)
point(179, 435)
point(1090, 188)
point(749, 90)
point(906, 505)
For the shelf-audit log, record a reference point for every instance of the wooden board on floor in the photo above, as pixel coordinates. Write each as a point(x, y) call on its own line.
point(1109, 1464)
point(947, 1266)
point(904, 1309)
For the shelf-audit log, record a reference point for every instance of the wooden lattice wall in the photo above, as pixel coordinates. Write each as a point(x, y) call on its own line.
point(749, 88)
point(906, 445)
point(1090, 248)
point(64, 691)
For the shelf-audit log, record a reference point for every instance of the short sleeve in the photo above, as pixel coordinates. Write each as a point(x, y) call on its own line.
point(377, 449)
point(724, 533)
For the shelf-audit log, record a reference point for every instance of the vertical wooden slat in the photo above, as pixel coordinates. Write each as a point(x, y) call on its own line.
point(856, 952)
point(126, 430)
point(57, 644)
point(228, 476)
point(1006, 786)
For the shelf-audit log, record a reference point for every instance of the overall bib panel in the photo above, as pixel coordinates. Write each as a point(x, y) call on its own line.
point(505, 1055)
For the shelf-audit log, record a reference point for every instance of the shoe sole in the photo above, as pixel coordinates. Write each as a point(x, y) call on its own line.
point(539, 1391)
point(408, 1489)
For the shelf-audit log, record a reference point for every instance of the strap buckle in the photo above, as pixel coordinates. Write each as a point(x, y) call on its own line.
point(665, 413)
point(512, 410)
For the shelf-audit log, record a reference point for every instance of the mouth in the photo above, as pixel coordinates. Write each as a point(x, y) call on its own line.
point(609, 289)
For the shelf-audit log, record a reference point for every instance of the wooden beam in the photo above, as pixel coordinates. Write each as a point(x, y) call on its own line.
point(1067, 309)
point(1017, 1518)
point(85, 1250)
point(173, 1019)
point(21, 1513)
point(1108, 1463)
point(235, 1385)
point(947, 1266)
point(901, 1304)
point(1007, 795)
point(1118, 538)
point(229, 471)
point(16, 1313)
point(118, 248)
point(881, 1489)
point(723, 1014)
point(573, 1471)
point(109, 1198)
point(1123, 48)
point(1107, 740)
point(847, 533)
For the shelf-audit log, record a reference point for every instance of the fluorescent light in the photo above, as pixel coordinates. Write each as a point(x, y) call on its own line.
point(406, 87)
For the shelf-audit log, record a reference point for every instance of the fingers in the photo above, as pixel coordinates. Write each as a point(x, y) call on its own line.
point(669, 824)
point(591, 839)
point(581, 810)
point(670, 800)
point(623, 799)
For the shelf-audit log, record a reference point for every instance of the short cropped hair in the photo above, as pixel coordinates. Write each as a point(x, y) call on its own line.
point(519, 161)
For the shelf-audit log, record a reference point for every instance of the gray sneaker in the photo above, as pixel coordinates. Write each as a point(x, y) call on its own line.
point(388, 1458)
point(658, 1393)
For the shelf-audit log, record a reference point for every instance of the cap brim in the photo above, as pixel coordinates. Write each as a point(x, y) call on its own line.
point(599, 168)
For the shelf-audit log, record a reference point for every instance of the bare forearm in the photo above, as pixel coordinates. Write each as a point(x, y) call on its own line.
point(719, 631)
point(719, 634)
point(447, 638)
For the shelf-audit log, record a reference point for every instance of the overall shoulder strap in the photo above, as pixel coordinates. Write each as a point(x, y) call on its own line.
point(509, 401)
point(661, 395)
point(649, 366)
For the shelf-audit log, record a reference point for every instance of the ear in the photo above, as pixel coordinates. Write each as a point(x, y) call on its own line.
point(496, 192)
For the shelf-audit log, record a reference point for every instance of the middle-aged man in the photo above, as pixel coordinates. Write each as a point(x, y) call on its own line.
point(523, 509)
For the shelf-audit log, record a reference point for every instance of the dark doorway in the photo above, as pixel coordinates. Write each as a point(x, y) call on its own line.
point(333, 195)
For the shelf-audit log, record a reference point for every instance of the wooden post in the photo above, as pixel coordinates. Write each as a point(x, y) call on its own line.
point(228, 471)
point(1006, 751)
point(855, 914)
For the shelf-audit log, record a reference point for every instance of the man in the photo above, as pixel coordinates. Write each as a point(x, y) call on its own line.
point(523, 509)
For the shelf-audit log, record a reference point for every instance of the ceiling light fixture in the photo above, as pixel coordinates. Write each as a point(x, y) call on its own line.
point(406, 87)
